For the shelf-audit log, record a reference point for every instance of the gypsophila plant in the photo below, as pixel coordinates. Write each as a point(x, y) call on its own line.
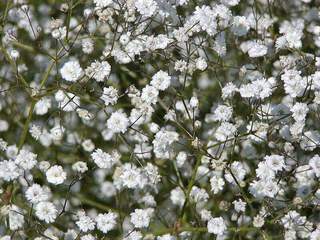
point(159, 119)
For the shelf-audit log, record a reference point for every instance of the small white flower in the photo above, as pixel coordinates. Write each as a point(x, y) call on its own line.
point(140, 218)
point(106, 222)
point(222, 113)
point(9, 170)
point(80, 167)
point(150, 94)
point(275, 162)
point(201, 64)
point(299, 111)
point(239, 205)
point(146, 7)
point(56, 175)
point(161, 80)
point(16, 218)
point(98, 70)
point(85, 223)
point(104, 160)
point(46, 211)
point(36, 194)
point(102, 3)
point(71, 71)
point(217, 184)
point(109, 95)
point(216, 226)
point(42, 106)
point(314, 163)
point(26, 160)
point(118, 122)
point(177, 197)
point(257, 50)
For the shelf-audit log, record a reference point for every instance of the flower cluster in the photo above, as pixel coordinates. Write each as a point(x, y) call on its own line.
point(159, 120)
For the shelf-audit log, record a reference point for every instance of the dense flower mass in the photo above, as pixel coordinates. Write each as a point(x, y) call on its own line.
point(159, 119)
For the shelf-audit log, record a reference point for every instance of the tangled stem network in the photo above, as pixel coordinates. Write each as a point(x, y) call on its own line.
point(159, 119)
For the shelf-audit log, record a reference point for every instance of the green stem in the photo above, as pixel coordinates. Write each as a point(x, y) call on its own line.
point(95, 204)
point(198, 230)
point(190, 185)
point(26, 124)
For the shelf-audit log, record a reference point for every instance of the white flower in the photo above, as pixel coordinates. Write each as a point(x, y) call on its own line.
point(9, 170)
point(294, 84)
point(35, 194)
point(14, 54)
point(150, 94)
point(46, 211)
point(264, 171)
point(87, 45)
point(35, 131)
point(257, 50)
point(239, 205)
point(42, 106)
point(225, 131)
point(260, 88)
point(177, 196)
point(140, 218)
point(206, 17)
point(161, 80)
point(166, 237)
point(106, 222)
point(199, 194)
point(264, 187)
point(292, 220)
point(299, 111)
point(258, 221)
point(85, 223)
point(118, 122)
point(205, 215)
point(80, 167)
point(16, 218)
point(146, 7)
point(315, 235)
point(240, 25)
point(71, 71)
point(130, 176)
point(160, 41)
point(98, 70)
point(275, 162)
point(134, 235)
point(87, 237)
point(59, 33)
point(201, 64)
point(314, 163)
point(216, 226)
point(217, 184)
point(26, 160)
point(228, 90)
point(84, 114)
point(56, 175)
point(162, 143)
point(109, 96)
point(102, 3)
point(57, 132)
point(104, 160)
point(152, 174)
point(68, 102)
point(194, 102)
point(230, 3)
point(238, 171)
point(88, 145)
point(222, 113)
